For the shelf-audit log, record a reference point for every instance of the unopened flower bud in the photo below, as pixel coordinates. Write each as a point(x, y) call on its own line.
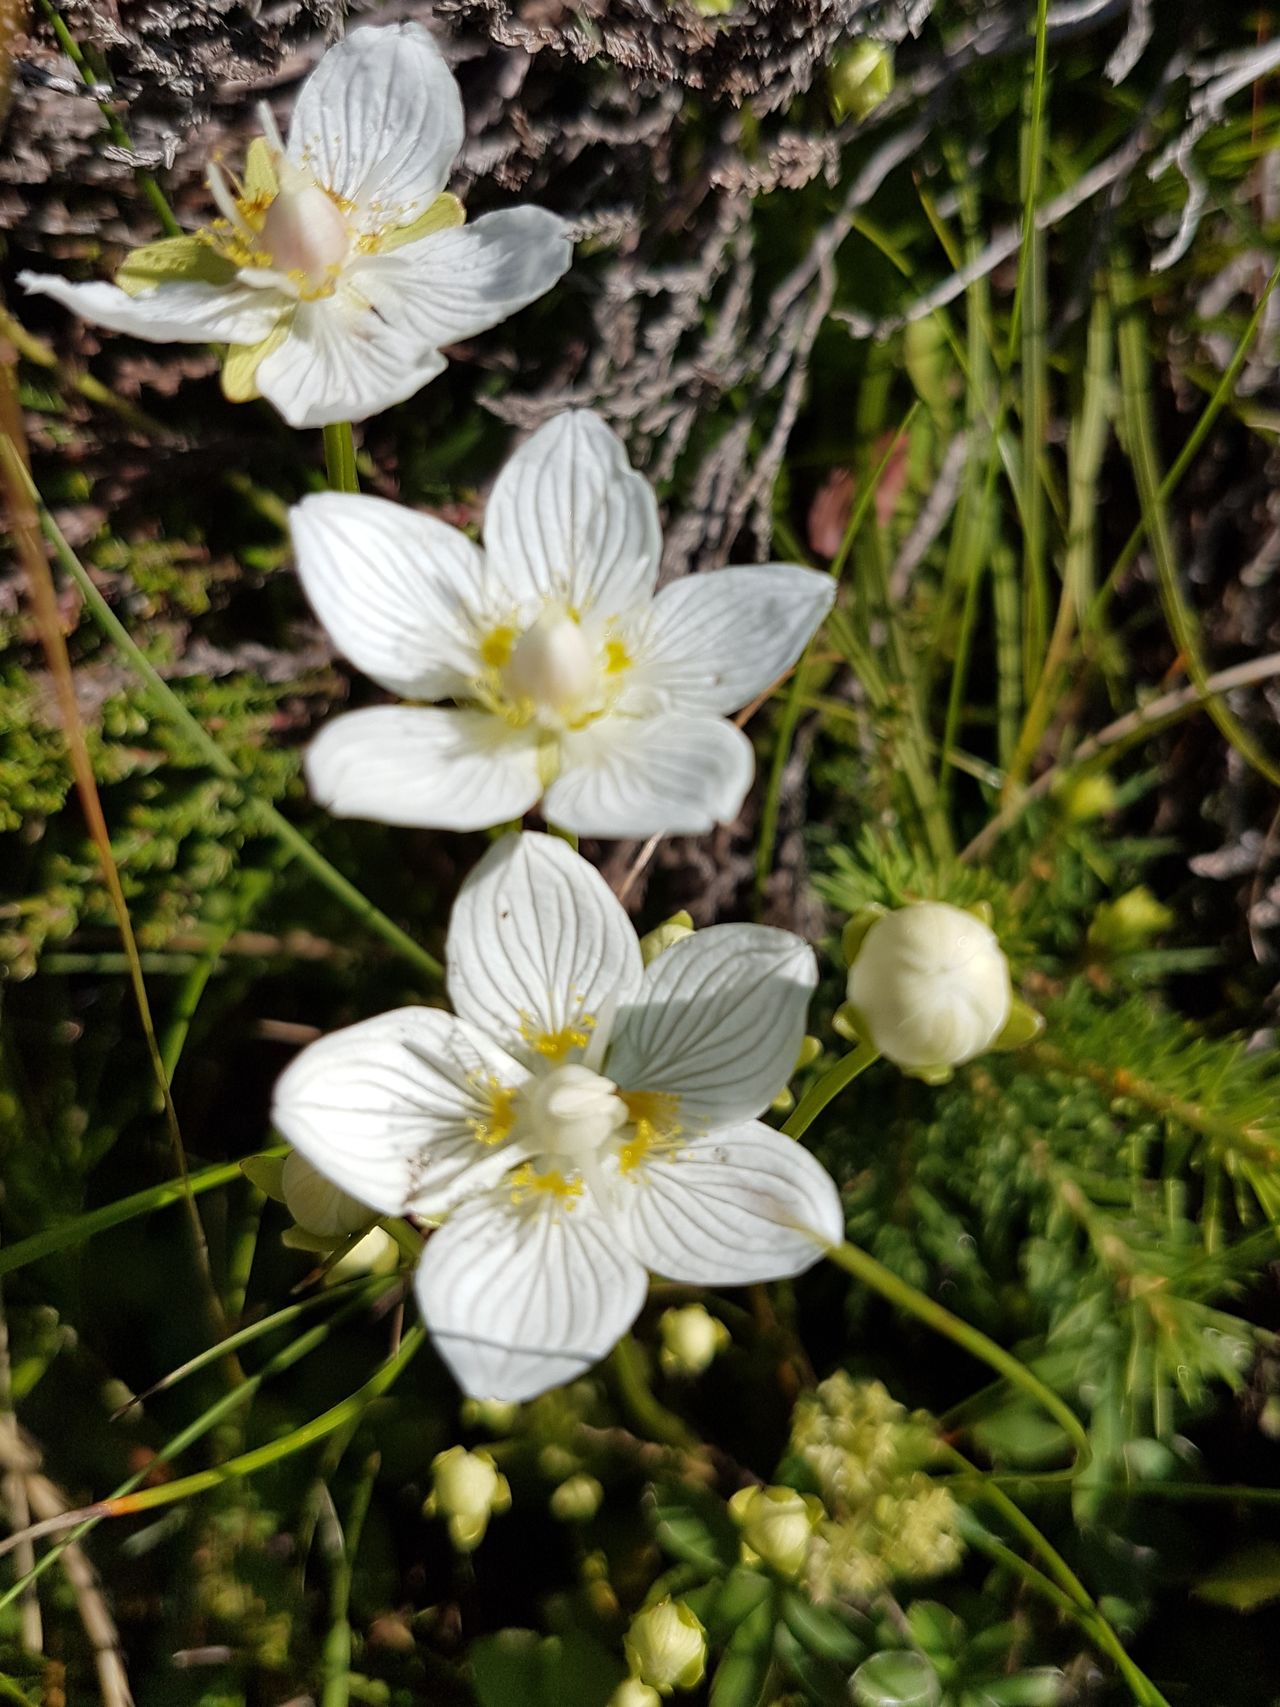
point(861, 78)
point(577, 1500)
point(1129, 922)
point(632, 1693)
point(318, 1206)
point(665, 935)
point(691, 1340)
point(777, 1525)
point(469, 1489)
point(1089, 796)
point(929, 987)
point(666, 1646)
point(497, 1415)
point(376, 1253)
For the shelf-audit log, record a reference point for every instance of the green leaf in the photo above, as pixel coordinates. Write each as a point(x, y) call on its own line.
point(821, 1631)
point(519, 1668)
point(896, 1678)
point(741, 1676)
point(699, 1535)
point(1244, 1580)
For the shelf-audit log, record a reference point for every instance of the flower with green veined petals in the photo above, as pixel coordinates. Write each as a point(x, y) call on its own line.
point(338, 269)
point(572, 683)
point(580, 1122)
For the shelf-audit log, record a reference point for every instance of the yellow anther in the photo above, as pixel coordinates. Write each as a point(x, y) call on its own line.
point(556, 1045)
point(499, 1118)
point(655, 1115)
point(527, 1181)
point(496, 646)
point(616, 658)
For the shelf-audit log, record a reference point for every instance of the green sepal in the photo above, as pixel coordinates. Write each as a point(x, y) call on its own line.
point(298, 1239)
point(445, 212)
point(266, 1172)
point(927, 1075)
point(983, 911)
point(1023, 1026)
point(173, 260)
point(242, 361)
point(849, 1024)
point(857, 928)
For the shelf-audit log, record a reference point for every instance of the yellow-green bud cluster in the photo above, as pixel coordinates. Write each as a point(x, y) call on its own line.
point(692, 1338)
point(666, 1647)
point(889, 1521)
point(469, 1489)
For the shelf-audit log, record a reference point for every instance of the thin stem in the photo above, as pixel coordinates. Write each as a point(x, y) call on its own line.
point(656, 1421)
point(336, 1659)
point(865, 1268)
point(828, 1087)
point(271, 821)
point(340, 457)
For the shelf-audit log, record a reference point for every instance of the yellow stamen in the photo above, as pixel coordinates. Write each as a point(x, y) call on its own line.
point(556, 1045)
point(527, 1181)
point(655, 1115)
point(496, 646)
point(499, 1118)
point(616, 658)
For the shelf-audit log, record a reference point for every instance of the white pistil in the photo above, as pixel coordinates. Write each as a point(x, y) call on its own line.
point(553, 664)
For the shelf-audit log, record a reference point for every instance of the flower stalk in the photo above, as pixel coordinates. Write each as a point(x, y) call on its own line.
point(340, 457)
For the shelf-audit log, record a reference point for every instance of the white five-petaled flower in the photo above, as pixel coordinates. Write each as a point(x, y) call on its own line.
point(339, 268)
point(573, 684)
point(581, 1121)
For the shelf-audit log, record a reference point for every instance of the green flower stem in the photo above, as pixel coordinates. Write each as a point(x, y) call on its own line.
point(656, 1421)
point(865, 1268)
point(118, 134)
point(340, 457)
point(335, 1659)
point(828, 1087)
point(271, 821)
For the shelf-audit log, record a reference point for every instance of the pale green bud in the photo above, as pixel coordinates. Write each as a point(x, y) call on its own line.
point(317, 1205)
point(861, 78)
point(499, 1416)
point(1090, 796)
point(692, 1338)
point(666, 1646)
point(1129, 922)
point(376, 1253)
point(577, 1500)
point(665, 936)
point(633, 1693)
point(469, 1489)
point(777, 1525)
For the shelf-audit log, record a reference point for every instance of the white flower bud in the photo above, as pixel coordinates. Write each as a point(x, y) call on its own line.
point(469, 1489)
point(666, 1646)
point(691, 1339)
point(577, 1500)
point(499, 1416)
point(376, 1253)
point(316, 1204)
point(632, 1693)
point(930, 986)
point(777, 1525)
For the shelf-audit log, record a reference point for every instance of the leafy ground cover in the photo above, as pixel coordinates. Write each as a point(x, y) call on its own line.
point(970, 304)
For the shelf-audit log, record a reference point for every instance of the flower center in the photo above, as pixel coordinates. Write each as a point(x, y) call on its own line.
point(305, 235)
point(553, 664)
point(571, 1114)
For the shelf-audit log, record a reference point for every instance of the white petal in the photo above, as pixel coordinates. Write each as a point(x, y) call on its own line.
point(568, 518)
point(637, 776)
point(537, 940)
point(424, 768)
point(182, 312)
point(379, 123)
point(718, 1021)
point(712, 642)
point(521, 1296)
point(385, 1109)
point(343, 362)
point(399, 593)
point(455, 283)
point(737, 1206)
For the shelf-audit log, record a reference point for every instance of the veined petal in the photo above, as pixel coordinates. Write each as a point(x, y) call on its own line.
point(399, 1110)
point(540, 951)
point(424, 767)
point(718, 1022)
point(343, 362)
point(394, 589)
point(455, 283)
point(637, 776)
point(569, 519)
point(737, 1206)
point(524, 1289)
point(712, 642)
point(379, 123)
point(179, 313)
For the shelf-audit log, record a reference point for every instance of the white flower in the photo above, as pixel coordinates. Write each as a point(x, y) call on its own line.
point(338, 270)
point(580, 1121)
point(573, 684)
point(930, 986)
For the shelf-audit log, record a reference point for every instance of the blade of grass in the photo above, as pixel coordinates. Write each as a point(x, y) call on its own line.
point(1027, 326)
point(344, 1544)
point(266, 816)
point(1135, 395)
